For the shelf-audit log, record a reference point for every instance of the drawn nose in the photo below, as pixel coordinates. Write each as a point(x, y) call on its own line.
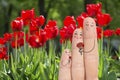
point(79, 37)
point(87, 28)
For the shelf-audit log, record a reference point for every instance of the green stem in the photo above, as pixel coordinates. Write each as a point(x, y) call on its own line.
point(108, 46)
point(101, 55)
point(24, 53)
point(16, 56)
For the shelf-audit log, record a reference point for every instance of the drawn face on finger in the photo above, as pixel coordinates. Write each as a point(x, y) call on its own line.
point(66, 59)
point(77, 37)
point(89, 28)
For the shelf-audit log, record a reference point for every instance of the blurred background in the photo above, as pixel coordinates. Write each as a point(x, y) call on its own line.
point(54, 9)
point(57, 10)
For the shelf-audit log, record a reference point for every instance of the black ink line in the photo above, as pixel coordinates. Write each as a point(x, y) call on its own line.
point(91, 49)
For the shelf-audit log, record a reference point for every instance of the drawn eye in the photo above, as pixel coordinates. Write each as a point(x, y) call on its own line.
point(91, 25)
point(80, 34)
point(86, 24)
point(75, 33)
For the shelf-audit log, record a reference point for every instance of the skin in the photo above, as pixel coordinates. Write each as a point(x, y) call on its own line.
point(77, 57)
point(65, 66)
point(84, 62)
point(90, 49)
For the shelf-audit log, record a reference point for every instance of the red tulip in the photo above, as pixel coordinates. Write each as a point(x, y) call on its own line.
point(38, 39)
point(21, 42)
point(51, 29)
point(66, 33)
point(27, 15)
point(99, 32)
point(3, 49)
point(18, 34)
point(3, 53)
point(34, 41)
point(81, 18)
point(69, 20)
point(27, 37)
point(7, 36)
point(108, 33)
point(17, 43)
point(93, 9)
point(117, 32)
point(42, 37)
point(2, 41)
point(18, 39)
point(40, 20)
point(103, 19)
point(33, 27)
point(17, 25)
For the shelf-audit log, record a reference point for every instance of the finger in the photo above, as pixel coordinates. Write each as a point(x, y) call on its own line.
point(77, 55)
point(90, 49)
point(65, 66)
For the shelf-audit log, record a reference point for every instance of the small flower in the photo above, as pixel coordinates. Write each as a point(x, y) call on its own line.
point(80, 45)
point(117, 32)
point(51, 29)
point(108, 33)
point(17, 25)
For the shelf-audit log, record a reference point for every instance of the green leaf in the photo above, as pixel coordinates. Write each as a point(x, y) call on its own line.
point(112, 76)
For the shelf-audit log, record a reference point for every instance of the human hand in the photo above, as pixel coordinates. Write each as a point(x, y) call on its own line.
point(83, 64)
